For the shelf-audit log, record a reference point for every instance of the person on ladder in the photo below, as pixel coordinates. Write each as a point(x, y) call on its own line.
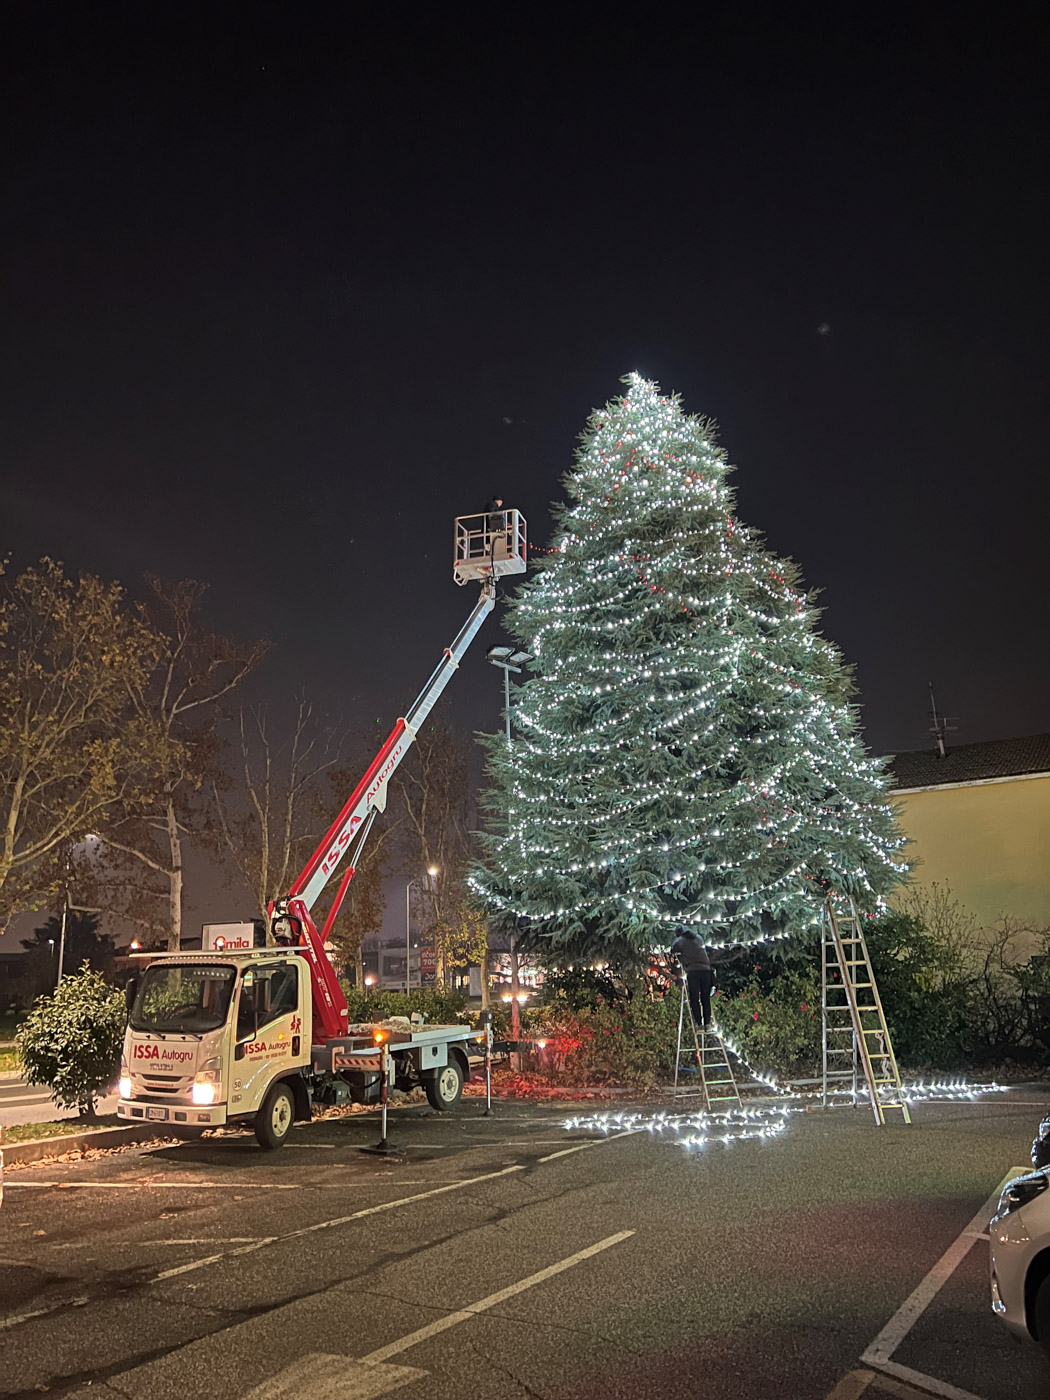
point(692, 956)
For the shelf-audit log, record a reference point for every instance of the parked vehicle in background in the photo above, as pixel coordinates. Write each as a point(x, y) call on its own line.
point(1019, 1245)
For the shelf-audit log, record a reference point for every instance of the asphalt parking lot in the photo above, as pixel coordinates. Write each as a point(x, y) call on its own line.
point(508, 1257)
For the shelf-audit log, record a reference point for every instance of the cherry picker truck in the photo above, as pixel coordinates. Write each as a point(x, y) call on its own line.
point(255, 1036)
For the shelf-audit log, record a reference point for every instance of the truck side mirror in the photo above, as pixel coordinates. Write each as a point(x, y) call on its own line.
point(131, 987)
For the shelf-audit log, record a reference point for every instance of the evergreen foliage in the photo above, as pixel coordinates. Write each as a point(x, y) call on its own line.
point(686, 751)
point(71, 1040)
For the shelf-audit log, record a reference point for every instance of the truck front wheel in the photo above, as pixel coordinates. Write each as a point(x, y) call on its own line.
point(445, 1086)
point(274, 1120)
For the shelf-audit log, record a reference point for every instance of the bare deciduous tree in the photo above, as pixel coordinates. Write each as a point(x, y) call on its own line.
point(74, 748)
point(276, 812)
point(179, 699)
point(436, 797)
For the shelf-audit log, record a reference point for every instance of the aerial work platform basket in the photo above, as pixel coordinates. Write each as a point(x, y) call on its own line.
point(491, 544)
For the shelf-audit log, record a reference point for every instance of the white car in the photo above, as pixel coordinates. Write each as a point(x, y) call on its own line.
point(1019, 1242)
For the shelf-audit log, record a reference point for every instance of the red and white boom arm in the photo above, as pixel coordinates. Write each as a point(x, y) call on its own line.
point(351, 827)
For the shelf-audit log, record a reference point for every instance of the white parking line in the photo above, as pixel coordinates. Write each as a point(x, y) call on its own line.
point(594, 1142)
point(904, 1319)
point(328, 1224)
point(442, 1324)
point(155, 1186)
point(320, 1376)
point(18, 1318)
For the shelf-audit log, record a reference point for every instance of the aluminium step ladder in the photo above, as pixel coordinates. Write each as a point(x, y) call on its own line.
point(707, 1058)
point(856, 1038)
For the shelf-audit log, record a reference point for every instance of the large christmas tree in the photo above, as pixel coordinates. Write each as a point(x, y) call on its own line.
point(685, 750)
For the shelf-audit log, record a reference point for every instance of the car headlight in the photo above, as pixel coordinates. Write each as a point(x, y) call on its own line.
point(204, 1094)
point(124, 1087)
point(1018, 1193)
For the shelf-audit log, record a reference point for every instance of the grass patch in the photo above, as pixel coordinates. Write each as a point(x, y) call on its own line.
point(64, 1127)
point(9, 1060)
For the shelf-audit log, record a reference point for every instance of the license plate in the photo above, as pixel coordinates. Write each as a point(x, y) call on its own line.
point(160, 1113)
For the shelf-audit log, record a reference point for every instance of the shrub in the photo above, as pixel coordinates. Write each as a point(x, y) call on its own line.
point(628, 1044)
point(778, 1029)
point(71, 1040)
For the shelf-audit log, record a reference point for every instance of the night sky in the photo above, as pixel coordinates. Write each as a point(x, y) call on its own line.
point(285, 289)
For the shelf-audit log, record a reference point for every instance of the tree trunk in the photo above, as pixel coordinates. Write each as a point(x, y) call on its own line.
point(174, 879)
point(515, 1009)
point(359, 967)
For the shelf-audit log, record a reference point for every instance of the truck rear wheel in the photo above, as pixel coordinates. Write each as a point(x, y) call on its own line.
point(445, 1086)
point(274, 1120)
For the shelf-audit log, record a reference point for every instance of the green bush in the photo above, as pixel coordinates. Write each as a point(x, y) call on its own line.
point(928, 994)
point(778, 1029)
point(71, 1040)
point(626, 1043)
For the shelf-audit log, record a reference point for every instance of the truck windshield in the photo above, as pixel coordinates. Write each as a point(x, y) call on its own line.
point(182, 997)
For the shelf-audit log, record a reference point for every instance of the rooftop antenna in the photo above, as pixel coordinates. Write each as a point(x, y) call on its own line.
point(942, 725)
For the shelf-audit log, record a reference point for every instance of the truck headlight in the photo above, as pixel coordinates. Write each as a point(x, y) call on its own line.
point(206, 1083)
point(124, 1086)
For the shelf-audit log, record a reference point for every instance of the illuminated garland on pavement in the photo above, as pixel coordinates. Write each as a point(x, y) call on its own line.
point(747, 1123)
point(692, 1130)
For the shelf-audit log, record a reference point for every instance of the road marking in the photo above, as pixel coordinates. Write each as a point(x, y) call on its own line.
point(594, 1142)
point(442, 1324)
point(852, 1385)
point(324, 1377)
point(19, 1318)
point(880, 1351)
point(926, 1385)
point(328, 1224)
point(145, 1244)
point(157, 1185)
point(909, 1312)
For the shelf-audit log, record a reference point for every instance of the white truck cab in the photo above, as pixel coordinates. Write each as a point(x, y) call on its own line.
point(216, 1038)
point(213, 1037)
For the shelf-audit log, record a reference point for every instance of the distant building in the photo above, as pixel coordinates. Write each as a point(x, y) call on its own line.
point(979, 821)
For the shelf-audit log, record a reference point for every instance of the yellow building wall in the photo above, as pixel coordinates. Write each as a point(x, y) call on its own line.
point(989, 842)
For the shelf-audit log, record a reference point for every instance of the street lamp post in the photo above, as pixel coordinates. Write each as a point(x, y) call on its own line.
point(507, 659)
point(432, 870)
point(80, 909)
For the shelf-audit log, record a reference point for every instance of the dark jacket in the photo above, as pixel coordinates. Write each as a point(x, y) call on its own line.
point(690, 952)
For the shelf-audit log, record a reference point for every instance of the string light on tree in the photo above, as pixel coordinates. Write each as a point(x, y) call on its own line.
point(685, 748)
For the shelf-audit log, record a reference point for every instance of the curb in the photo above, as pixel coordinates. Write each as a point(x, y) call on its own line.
point(21, 1154)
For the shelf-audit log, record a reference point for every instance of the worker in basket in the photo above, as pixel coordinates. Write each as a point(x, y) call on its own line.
point(692, 957)
point(496, 528)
